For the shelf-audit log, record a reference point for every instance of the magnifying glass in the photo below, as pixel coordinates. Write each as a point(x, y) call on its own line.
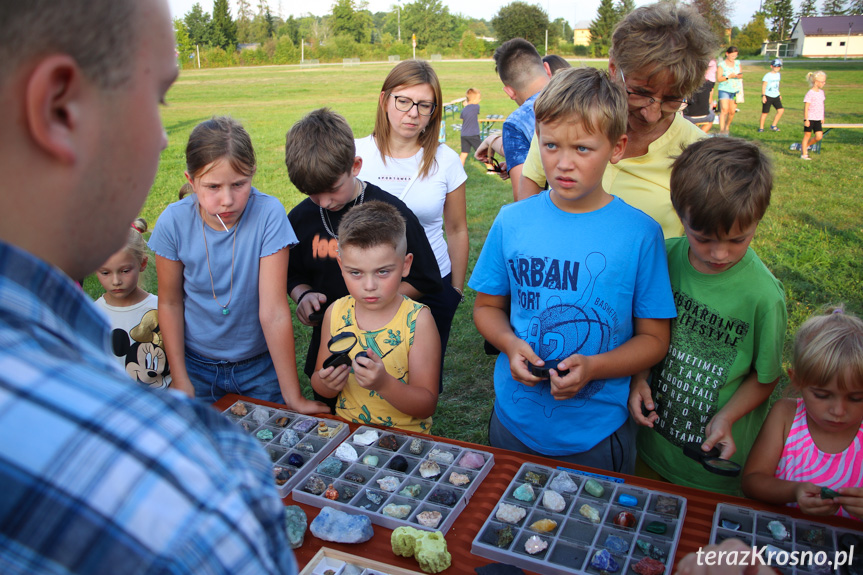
point(340, 346)
point(710, 460)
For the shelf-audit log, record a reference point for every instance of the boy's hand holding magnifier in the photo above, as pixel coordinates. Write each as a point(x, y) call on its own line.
point(370, 371)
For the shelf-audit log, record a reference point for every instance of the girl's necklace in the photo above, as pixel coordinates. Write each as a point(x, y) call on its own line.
point(225, 309)
point(325, 216)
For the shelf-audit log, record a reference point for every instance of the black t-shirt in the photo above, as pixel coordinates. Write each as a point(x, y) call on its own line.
point(699, 103)
point(313, 258)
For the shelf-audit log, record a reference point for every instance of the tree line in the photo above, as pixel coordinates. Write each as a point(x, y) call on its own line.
point(353, 31)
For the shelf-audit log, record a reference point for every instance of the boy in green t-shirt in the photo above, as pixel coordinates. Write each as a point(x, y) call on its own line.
point(725, 355)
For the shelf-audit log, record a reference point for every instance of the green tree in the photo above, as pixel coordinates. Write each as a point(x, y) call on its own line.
point(716, 13)
point(833, 8)
point(808, 8)
point(352, 20)
point(199, 25)
point(780, 13)
point(224, 28)
point(185, 47)
point(291, 29)
point(624, 7)
point(855, 7)
point(562, 29)
point(471, 46)
point(601, 28)
point(520, 20)
point(753, 35)
point(431, 21)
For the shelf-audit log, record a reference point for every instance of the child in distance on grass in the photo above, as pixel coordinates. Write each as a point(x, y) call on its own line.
point(813, 111)
point(470, 124)
point(816, 440)
point(557, 288)
point(725, 355)
point(395, 383)
point(133, 312)
point(770, 95)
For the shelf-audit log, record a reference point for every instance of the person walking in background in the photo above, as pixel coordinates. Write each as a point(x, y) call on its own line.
point(813, 111)
point(770, 95)
point(470, 124)
point(730, 84)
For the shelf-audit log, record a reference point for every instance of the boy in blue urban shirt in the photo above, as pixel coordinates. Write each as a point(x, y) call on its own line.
point(574, 280)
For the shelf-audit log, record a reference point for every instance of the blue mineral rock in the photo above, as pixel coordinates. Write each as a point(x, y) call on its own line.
point(616, 544)
point(603, 561)
point(627, 500)
point(330, 466)
point(340, 527)
point(289, 438)
point(295, 525)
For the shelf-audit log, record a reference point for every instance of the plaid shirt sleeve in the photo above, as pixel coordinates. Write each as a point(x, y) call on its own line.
point(102, 476)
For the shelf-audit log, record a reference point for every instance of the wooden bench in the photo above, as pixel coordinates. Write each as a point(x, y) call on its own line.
point(486, 124)
point(453, 107)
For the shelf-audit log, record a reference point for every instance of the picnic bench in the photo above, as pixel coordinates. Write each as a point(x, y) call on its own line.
point(487, 124)
point(453, 107)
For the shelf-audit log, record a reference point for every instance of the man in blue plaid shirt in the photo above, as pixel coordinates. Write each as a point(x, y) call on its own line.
point(98, 475)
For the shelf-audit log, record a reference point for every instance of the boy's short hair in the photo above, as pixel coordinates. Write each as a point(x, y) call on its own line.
point(716, 182)
point(586, 95)
point(319, 149)
point(665, 37)
point(555, 63)
point(517, 63)
point(372, 224)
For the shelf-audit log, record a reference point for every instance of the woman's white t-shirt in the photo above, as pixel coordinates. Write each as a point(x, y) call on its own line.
point(425, 197)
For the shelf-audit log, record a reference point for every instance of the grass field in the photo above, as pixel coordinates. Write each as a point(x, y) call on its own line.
point(811, 238)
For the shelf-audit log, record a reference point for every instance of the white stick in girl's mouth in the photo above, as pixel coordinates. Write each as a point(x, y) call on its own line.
point(223, 223)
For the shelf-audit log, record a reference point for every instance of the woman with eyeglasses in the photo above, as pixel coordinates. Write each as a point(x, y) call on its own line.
point(659, 54)
point(403, 157)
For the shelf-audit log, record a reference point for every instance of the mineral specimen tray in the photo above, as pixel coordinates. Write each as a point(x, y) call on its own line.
point(353, 493)
point(821, 540)
point(312, 447)
point(574, 540)
point(327, 559)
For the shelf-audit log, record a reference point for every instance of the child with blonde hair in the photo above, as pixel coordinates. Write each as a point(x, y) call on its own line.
point(813, 111)
point(809, 453)
point(132, 312)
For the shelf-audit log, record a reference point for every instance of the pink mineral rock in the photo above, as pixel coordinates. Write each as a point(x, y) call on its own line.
point(649, 566)
point(471, 460)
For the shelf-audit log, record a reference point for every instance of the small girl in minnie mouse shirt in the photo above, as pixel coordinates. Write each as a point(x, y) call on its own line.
point(133, 312)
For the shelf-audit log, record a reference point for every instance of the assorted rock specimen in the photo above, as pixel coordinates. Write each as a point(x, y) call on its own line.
point(536, 478)
point(627, 500)
point(444, 497)
point(260, 416)
point(367, 437)
point(458, 479)
point(282, 475)
point(429, 519)
point(625, 519)
point(416, 446)
point(650, 549)
point(667, 505)
point(553, 501)
point(429, 469)
point(289, 438)
point(504, 536)
point(389, 483)
point(340, 527)
point(543, 525)
point(441, 456)
point(355, 477)
point(728, 524)
point(657, 527)
point(524, 492)
point(398, 463)
point(346, 452)
point(306, 425)
point(330, 466)
point(510, 513)
point(295, 525)
point(603, 561)
point(778, 530)
point(563, 483)
point(396, 511)
point(264, 434)
point(282, 421)
point(471, 460)
point(535, 544)
point(296, 460)
point(331, 492)
point(594, 487)
point(428, 548)
point(315, 486)
point(371, 460)
point(240, 409)
point(616, 544)
point(649, 566)
point(411, 491)
point(589, 512)
point(388, 442)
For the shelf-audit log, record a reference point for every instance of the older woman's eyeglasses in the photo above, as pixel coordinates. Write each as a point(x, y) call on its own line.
point(643, 100)
point(404, 104)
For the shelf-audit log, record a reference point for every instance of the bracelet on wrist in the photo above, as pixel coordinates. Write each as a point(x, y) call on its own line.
point(302, 295)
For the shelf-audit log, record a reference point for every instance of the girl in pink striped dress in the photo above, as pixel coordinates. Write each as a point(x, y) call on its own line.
point(816, 441)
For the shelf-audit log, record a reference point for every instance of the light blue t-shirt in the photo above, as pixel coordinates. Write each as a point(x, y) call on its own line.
point(772, 79)
point(262, 230)
point(575, 282)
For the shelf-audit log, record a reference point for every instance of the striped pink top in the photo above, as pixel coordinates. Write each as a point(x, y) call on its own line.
point(801, 459)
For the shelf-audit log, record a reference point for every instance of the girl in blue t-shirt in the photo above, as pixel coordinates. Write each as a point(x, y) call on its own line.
point(222, 261)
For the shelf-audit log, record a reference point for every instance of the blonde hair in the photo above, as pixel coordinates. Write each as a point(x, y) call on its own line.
point(586, 95)
point(472, 95)
point(828, 346)
point(135, 244)
point(410, 73)
point(812, 76)
point(664, 37)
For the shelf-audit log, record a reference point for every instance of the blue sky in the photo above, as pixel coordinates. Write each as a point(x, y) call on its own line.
point(572, 11)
